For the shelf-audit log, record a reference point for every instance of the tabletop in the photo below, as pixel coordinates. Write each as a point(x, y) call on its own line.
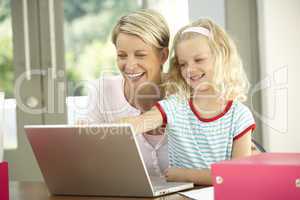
point(38, 191)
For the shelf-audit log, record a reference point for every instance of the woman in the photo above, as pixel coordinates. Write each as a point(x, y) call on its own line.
point(141, 39)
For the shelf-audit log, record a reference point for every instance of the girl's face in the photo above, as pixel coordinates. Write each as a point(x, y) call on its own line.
point(196, 63)
point(138, 61)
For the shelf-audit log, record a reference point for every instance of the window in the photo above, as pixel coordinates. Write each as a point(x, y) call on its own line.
point(89, 51)
point(88, 48)
point(7, 77)
point(6, 53)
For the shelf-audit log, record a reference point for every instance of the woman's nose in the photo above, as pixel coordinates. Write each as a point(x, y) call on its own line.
point(131, 62)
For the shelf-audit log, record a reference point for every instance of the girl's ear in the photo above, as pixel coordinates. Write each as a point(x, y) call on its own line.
point(164, 54)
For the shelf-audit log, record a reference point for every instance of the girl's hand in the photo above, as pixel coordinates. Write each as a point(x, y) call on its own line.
point(125, 120)
point(196, 176)
point(177, 174)
point(146, 122)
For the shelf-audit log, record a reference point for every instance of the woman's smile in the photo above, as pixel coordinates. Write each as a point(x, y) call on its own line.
point(134, 76)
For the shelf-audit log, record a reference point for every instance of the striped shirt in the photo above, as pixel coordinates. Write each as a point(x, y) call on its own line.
point(195, 142)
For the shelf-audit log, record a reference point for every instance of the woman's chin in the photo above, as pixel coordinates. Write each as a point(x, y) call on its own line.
point(139, 82)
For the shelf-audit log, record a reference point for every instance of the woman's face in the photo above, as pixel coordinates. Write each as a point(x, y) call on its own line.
point(138, 61)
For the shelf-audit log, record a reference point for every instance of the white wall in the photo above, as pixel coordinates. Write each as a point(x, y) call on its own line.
point(241, 24)
point(9, 124)
point(176, 12)
point(212, 9)
point(279, 34)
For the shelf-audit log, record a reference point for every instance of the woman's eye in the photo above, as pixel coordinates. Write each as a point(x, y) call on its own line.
point(181, 65)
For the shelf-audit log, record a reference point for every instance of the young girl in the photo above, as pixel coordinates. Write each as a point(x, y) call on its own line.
point(203, 114)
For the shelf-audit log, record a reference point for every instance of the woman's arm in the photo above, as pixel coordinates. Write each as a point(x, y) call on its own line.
point(145, 122)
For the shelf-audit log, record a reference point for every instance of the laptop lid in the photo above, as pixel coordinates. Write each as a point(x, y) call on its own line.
point(92, 160)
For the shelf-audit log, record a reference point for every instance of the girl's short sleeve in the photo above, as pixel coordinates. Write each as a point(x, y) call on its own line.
point(244, 121)
point(167, 108)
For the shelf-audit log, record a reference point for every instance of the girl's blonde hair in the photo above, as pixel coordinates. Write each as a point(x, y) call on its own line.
point(229, 77)
point(147, 24)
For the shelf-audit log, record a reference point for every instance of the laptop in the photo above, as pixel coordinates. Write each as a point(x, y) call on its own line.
point(100, 160)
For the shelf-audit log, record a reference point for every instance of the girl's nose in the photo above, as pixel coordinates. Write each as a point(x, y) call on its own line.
point(191, 68)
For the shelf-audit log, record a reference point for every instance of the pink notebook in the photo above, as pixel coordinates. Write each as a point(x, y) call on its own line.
point(3, 181)
point(274, 176)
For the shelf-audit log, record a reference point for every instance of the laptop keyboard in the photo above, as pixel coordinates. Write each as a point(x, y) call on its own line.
point(159, 183)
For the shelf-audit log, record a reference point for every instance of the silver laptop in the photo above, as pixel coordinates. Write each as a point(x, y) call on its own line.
point(101, 160)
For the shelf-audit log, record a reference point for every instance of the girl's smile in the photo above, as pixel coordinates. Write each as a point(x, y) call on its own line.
point(195, 62)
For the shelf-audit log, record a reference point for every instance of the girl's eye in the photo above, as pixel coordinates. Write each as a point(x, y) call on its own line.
point(121, 56)
point(198, 60)
point(141, 55)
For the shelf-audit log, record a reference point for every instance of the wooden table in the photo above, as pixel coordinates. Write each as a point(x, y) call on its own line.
point(39, 191)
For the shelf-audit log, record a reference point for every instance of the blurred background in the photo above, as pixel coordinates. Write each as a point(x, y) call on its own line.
point(50, 50)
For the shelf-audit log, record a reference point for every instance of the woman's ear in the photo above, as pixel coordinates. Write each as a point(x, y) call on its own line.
point(164, 54)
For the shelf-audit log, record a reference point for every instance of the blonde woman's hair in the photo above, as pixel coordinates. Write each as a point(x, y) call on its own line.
point(147, 24)
point(229, 77)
